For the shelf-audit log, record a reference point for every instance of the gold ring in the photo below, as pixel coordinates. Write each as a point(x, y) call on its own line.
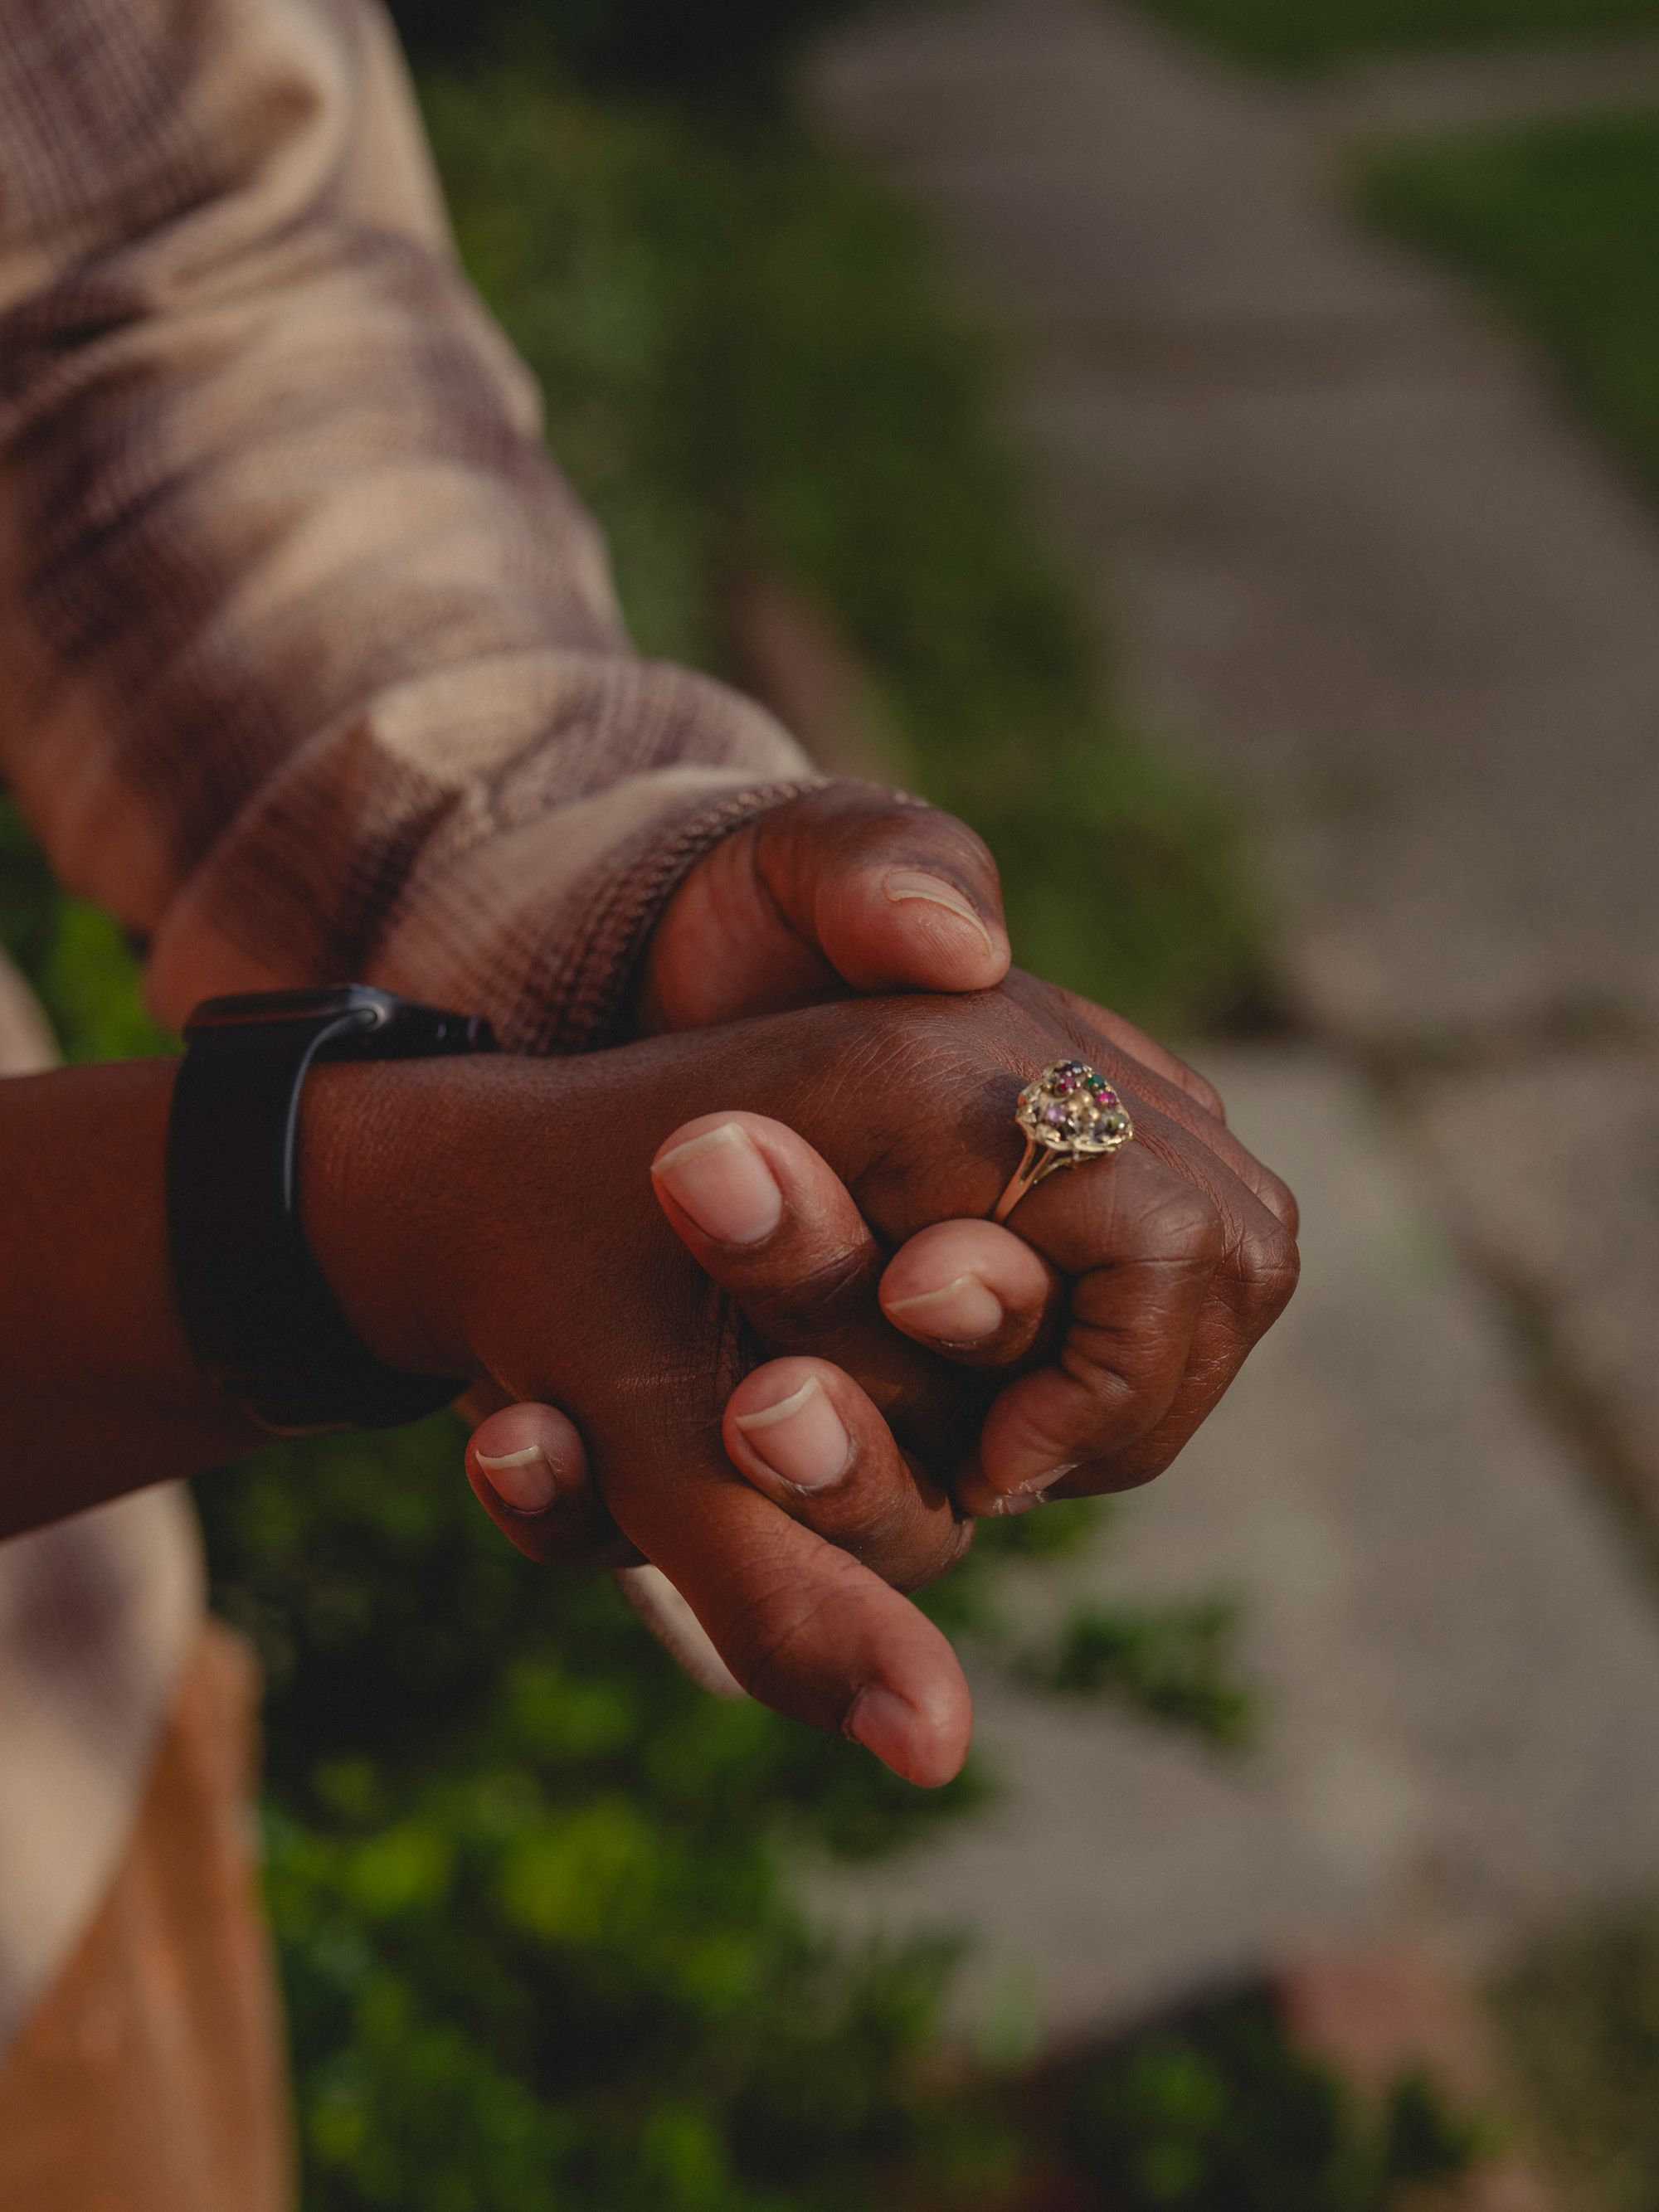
point(1069, 1113)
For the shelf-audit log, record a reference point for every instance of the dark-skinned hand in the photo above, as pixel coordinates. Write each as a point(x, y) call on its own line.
point(845, 888)
point(1131, 1294)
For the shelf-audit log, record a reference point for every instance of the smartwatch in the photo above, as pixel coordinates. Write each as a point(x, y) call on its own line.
point(260, 1319)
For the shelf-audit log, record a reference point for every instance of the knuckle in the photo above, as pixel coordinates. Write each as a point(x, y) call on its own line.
point(868, 825)
point(1112, 1369)
point(1183, 1223)
point(1272, 1266)
point(931, 832)
point(1279, 1199)
point(888, 1528)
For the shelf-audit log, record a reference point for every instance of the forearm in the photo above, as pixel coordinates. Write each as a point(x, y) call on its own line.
point(98, 1392)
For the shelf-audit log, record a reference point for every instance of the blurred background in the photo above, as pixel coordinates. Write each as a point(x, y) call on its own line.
point(1213, 445)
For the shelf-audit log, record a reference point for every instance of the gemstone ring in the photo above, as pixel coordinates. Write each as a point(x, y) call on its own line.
point(1069, 1113)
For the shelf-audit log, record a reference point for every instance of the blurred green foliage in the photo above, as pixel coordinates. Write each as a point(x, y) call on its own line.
point(1174, 1655)
point(1218, 2114)
point(1310, 34)
point(1557, 223)
point(748, 369)
point(538, 1946)
point(1581, 2017)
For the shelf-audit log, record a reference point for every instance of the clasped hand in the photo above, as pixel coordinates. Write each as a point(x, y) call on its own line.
point(799, 1358)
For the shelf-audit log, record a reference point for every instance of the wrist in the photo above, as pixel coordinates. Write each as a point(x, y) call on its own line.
point(383, 1156)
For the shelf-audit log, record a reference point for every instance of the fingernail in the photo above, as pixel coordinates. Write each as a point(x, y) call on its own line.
point(882, 1722)
point(903, 883)
point(722, 1181)
point(965, 1311)
point(523, 1480)
point(1033, 1493)
point(801, 1437)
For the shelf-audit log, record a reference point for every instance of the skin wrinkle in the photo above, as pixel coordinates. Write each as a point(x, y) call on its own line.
point(757, 1663)
point(831, 1296)
point(844, 1324)
point(1207, 1379)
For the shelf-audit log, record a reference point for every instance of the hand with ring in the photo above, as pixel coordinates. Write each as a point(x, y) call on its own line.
point(850, 888)
point(890, 1358)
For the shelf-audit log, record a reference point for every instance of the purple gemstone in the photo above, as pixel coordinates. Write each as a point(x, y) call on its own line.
point(1055, 1116)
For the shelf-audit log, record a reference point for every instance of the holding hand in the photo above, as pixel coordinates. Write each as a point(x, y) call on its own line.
point(1154, 1272)
point(849, 887)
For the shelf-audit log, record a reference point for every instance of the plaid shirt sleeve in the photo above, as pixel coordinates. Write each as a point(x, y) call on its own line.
point(313, 669)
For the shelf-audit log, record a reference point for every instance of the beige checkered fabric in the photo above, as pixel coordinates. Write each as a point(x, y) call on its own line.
point(313, 669)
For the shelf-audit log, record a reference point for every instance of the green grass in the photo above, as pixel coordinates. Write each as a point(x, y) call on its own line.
point(1557, 226)
point(1313, 34)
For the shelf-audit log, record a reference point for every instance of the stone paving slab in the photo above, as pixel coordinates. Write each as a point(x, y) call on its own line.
point(1554, 1167)
point(1348, 550)
point(1410, 654)
point(1087, 165)
point(1457, 1665)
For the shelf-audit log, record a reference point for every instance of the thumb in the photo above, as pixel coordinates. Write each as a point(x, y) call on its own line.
point(896, 895)
point(845, 886)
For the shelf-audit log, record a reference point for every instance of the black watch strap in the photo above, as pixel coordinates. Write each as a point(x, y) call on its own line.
point(260, 1319)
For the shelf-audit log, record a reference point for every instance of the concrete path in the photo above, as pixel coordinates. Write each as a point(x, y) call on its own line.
point(1457, 1666)
point(1344, 546)
point(1353, 558)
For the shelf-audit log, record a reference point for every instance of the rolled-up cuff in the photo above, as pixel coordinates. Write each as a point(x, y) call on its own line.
point(558, 970)
point(579, 996)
